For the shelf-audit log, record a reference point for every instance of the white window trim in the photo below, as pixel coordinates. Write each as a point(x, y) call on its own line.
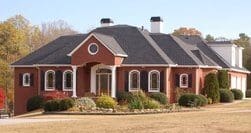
point(150, 89)
point(64, 87)
point(45, 81)
point(129, 81)
point(90, 52)
point(24, 75)
point(181, 85)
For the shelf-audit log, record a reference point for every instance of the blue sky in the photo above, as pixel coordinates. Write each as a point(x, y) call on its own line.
point(225, 18)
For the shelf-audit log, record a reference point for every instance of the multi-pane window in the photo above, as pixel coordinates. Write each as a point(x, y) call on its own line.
point(50, 80)
point(154, 81)
point(68, 80)
point(134, 80)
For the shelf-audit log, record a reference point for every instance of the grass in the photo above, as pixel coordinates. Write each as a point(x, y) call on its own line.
point(228, 118)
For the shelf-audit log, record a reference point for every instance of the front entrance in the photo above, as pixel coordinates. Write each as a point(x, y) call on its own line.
point(103, 82)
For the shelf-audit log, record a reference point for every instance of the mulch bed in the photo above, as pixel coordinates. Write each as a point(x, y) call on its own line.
point(122, 113)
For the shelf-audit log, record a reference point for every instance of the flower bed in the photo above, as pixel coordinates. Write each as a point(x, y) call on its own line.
point(129, 104)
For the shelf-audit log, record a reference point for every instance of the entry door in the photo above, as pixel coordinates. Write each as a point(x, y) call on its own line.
point(103, 83)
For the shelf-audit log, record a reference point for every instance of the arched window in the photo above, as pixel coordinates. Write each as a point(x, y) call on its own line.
point(67, 80)
point(154, 81)
point(184, 80)
point(134, 80)
point(50, 80)
point(26, 79)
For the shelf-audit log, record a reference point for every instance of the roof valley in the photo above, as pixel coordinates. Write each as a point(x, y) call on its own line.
point(156, 47)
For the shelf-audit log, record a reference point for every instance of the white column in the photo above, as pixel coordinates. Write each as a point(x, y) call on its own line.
point(113, 85)
point(74, 89)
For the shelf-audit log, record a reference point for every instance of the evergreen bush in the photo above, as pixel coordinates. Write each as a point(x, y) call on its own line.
point(223, 79)
point(238, 95)
point(211, 89)
point(226, 96)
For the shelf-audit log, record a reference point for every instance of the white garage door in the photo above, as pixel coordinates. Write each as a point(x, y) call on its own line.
point(244, 86)
point(239, 83)
point(233, 82)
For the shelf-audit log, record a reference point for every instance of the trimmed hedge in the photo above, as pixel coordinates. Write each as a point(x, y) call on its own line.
point(226, 96)
point(65, 104)
point(160, 97)
point(106, 102)
point(238, 95)
point(58, 105)
point(211, 89)
point(192, 100)
point(34, 103)
point(203, 99)
point(52, 105)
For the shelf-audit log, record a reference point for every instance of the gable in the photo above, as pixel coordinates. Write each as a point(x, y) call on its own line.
point(109, 42)
point(84, 54)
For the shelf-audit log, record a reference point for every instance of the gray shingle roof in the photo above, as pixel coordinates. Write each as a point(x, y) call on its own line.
point(111, 43)
point(131, 40)
point(172, 49)
point(141, 47)
point(54, 52)
point(203, 47)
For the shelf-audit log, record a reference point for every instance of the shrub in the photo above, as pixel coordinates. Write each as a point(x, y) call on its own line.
point(226, 96)
point(65, 104)
point(135, 103)
point(105, 102)
point(34, 103)
point(238, 95)
point(210, 101)
point(190, 100)
point(248, 93)
point(54, 95)
point(151, 104)
point(203, 100)
point(85, 103)
point(124, 97)
point(52, 105)
point(211, 89)
point(160, 97)
point(223, 79)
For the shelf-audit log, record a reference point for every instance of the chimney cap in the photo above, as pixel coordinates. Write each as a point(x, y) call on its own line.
point(106, 20)
point(156, 19)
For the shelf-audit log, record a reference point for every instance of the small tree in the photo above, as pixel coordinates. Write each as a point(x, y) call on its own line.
point(211, 88)
point(223, 79)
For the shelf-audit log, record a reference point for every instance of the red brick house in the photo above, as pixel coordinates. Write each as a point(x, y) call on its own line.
point(114, 58)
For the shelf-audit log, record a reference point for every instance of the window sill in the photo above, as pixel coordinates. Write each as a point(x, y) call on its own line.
point(184, 87)
point(153, 90)
point(133, 89)
point(67, 89)
point(26, 85)
point(50, 89)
